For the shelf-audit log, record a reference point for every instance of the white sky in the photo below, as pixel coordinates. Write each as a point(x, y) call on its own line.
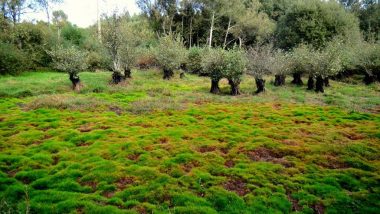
point(84, 12)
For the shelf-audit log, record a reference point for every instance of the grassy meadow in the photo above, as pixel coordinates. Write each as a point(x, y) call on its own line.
point(154, 146)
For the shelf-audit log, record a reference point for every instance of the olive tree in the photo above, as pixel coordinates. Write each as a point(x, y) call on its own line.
point(70, 60)
point(234, 68)
point(280, 66)
point(324, 63)
point(212, 63)
point(194, 60)
point(368, 59)
point(260, 59)
point(220, 64)
point(299, 63)
point(170, 53)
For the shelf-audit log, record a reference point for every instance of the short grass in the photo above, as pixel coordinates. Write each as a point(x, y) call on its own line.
point(155, 146)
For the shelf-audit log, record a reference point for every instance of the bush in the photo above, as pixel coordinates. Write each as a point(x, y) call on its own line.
point(170, 53)
point(12, 60)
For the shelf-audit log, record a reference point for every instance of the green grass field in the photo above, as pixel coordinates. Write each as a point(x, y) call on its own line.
point(155, 146)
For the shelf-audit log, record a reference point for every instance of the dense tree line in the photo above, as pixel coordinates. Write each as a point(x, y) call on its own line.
point(216, 38)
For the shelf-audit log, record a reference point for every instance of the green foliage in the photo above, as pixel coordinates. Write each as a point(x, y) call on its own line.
point(315, 22)
point(12, 60)
point(170, 52)
point(70, 60)
point(194, 60)
point(368, 58)
point(213, 63)
point(260, 60)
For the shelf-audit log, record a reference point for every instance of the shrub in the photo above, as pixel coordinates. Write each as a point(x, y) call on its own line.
point(170, 53)
point(12, 60)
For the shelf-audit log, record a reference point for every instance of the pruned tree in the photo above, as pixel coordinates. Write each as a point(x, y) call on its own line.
point(260, 58)
point(70, 60)
point(112, 39)
point(280, 66)
point(220, 64)
point(368, 60)
point(170, 53)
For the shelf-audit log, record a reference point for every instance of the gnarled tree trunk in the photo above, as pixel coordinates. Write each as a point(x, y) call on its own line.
point(117, 77)
point(368, 79)
point(75, 80)
point(326, 81)
point(168, 74)
point(319, 84)
point(297, 79)
point(127, 73)
point(279, 80)
point(235, 87)
point(182, 75)
point(215, 86)
point(260, 84)
point(310, 83)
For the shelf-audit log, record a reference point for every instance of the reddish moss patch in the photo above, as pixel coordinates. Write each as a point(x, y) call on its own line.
point(318, 208)
point(163, 140)
point(108, 194)
point(224, 150)
point(122, 183)
point(204, 149)
point(277, 106)
point(187, 167)
point(133, 157)
point(237, 185)
point(332, 162)
point(85, 128)
point(353, 136)
point(92, 184)
point(267, 155)
point(295, 204)
point(229, 163)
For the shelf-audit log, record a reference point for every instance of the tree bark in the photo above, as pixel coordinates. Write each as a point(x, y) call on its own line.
point(260, 84)
point(227, 31)
point(211, 29)
point(368, 79)
point(279, 80)
point(215, 87)
point(235, 87)
point(127, 73)
point(310, 83)
point(117, 77)
point(182, 75)
point(297, 79)
point(326, 82)
point(168, 74)
point(319, 84)
point(75, 80)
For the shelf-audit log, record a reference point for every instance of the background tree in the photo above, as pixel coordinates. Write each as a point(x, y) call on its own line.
point(59, 20)
point(170, 53)
point(70, 60)
point(46, 6)
point(315, 22)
